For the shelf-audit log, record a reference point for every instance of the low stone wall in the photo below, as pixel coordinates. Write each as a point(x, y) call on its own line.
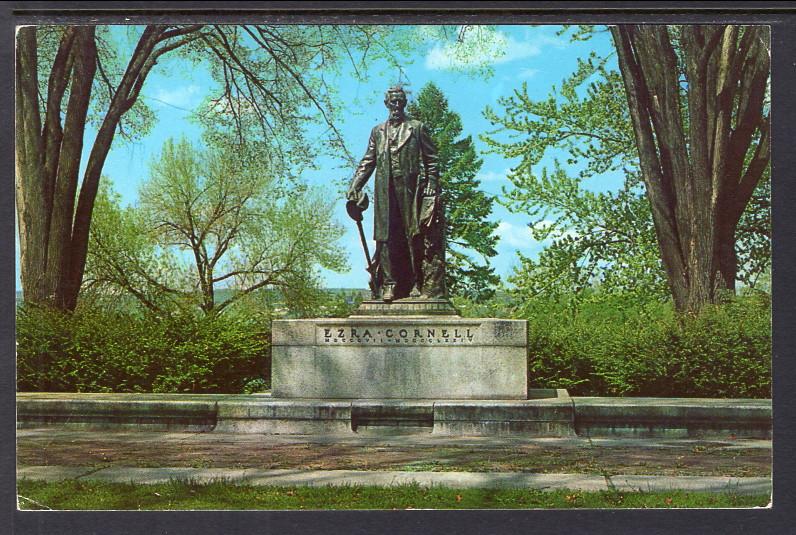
point(551, 414)
point(550, 417)
point(672, 417)
point(112, 411)
point(290, 417)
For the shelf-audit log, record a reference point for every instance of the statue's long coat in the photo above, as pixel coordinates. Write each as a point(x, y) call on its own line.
point(417, 164)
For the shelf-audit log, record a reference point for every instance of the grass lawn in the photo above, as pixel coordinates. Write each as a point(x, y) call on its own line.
point(86, 495)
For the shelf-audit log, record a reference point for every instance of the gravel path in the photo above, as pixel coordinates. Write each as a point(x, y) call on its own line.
point(52, 446)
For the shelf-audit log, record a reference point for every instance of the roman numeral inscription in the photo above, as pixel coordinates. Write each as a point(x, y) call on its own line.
point(397, 334)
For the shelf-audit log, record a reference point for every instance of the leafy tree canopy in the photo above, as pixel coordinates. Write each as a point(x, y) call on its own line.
point(606, 239)
point(272, 83)
point(210, 220)
point(467, 231)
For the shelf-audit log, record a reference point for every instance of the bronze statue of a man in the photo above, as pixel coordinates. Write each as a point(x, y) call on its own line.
point(409, 219)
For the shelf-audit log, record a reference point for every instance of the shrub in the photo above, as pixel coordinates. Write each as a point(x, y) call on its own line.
point(607, 347)
point(101, 350)
point(647, 350)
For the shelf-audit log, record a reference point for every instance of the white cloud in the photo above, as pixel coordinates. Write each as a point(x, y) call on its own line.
point(481, 46)
point(181, 97)
point(493, 176)
point(526, 73)
point(545, 36)
point(514, 235)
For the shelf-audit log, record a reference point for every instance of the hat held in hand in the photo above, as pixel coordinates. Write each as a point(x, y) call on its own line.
point(356, 206)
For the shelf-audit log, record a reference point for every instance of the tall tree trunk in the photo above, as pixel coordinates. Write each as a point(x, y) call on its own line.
point(60, 249)
point(143, 59)
point(32, 216)
point(53, 232)
point(696, 183)
point(48, 159)
point(727, 256)
point(659, 185)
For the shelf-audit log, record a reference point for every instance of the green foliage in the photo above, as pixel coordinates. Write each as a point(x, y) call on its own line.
point(610, 346)
point(276, 83)
point(615, 347)
point(614, 344)
point(274, 93)
point(595, 239)
point(108, 349)
point(313, 302)
point(112, 47)
point(123, 255)
point(754, 235)
point(588, 119)
point(467, 48)
point(499, 305)
point(605, 239)
point(212, 220)
point(467, 230)
point(255, 386)
point(272, 83)
point(109, 345)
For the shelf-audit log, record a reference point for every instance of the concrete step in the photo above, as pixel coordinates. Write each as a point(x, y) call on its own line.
point(392, 416)
point(559, 416)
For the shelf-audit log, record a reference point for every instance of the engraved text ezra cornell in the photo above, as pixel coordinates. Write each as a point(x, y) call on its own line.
point(408, 335)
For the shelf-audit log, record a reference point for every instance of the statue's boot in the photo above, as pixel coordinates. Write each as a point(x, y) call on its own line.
point(388, 292)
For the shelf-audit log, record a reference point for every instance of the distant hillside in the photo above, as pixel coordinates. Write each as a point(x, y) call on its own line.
point(223, 294)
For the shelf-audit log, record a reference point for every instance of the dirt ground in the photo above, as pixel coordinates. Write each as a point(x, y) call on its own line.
point(732, 457)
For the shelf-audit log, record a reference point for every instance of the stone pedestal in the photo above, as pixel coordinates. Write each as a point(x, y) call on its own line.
point(400, 357)
point(406, 307)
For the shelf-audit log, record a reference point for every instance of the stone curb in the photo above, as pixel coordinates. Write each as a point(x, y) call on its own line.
point(555, 416)
point(672, 417)
point(316, 478)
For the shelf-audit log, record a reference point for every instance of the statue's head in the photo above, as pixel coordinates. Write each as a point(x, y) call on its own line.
point(395, 100)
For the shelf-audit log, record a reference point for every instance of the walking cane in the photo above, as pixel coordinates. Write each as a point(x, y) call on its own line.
point(355, 213)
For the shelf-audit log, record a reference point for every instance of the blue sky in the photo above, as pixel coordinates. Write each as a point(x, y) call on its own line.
point(532, 54)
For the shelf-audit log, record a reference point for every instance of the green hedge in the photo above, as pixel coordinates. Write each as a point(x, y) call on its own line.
point(101, 350)
point(620, 350)
point(605, 348)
